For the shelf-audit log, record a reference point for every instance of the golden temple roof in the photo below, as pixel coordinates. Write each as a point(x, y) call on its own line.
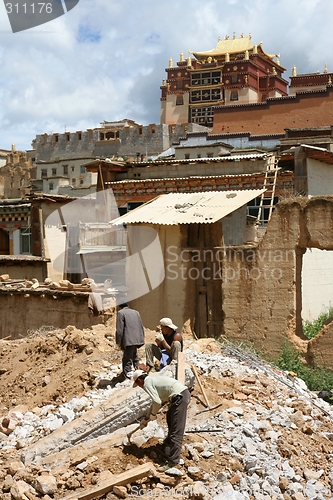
point(231, 46)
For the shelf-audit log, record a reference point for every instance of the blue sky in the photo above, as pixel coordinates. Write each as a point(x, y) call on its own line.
point(105, 60)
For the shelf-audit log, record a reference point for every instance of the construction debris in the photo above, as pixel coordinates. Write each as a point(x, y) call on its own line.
point(263, 435)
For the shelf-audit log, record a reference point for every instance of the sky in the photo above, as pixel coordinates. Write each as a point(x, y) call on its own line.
point(105, 60)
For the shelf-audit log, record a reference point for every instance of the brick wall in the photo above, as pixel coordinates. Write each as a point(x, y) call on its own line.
point(311, 109)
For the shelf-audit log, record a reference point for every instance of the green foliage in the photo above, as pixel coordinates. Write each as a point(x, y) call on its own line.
point(312, 328)
point(316, 378)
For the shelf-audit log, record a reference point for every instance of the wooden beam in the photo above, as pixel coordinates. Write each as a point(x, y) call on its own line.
point(181, 367)
point(119, 480)
point(195, 371)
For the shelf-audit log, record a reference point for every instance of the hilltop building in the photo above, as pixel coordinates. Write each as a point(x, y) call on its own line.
point(236, 71)
point(237, 87)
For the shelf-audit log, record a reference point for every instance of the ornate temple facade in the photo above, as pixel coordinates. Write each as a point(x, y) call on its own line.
point(237, 71)
point(239, 88)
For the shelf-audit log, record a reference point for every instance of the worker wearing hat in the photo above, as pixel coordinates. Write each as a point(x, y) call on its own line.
point(164, 389)
point(168, 343)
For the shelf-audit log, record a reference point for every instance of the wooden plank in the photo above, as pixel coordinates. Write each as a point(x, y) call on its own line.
point(201, 317)
point(195, 371)
point(181, 367)
point(126, 477)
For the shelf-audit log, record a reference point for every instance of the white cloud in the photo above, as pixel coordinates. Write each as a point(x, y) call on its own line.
point(105, 60)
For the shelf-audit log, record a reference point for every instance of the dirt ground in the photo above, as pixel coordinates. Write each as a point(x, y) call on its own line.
point(52, 367)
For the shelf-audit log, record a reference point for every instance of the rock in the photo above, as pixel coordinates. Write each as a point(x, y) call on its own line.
point(283, 483)
point(311, 474)
point(174, 472)
point(46, 484)
point(222, 477)
point(72, 483)
point(64, 283)
point(192, 452)
point(195, 473)
point(198, 490)
point(307, 429)
point(8, 483)
point(66, 414)
point(120, 491)
point(22, 491)
point(298, 419)
point(14, 466)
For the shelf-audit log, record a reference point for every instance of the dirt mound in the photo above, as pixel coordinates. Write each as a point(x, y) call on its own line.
point(52, 366)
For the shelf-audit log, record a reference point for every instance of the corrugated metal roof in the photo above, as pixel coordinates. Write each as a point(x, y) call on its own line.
point(189, 208)
point(213, 159)
point(203, 177)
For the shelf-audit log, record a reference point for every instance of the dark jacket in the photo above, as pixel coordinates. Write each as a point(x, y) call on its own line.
point(129, 328)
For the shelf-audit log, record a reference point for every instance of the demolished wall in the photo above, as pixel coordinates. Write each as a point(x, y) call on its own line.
point(23, 310)
point(262, 294)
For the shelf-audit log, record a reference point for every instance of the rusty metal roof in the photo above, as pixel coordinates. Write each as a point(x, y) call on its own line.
point(189, 208)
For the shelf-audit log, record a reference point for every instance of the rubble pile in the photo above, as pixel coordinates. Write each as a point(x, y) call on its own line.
point(87, 285)
point(263, 435)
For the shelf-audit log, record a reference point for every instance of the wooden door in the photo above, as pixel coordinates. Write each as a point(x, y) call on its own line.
point(4, 242)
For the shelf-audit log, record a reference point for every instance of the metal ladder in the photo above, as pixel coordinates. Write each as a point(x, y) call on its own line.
point(267, 197)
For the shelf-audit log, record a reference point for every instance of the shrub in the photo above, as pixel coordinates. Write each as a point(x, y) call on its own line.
point(316, 379)
point(312, 328)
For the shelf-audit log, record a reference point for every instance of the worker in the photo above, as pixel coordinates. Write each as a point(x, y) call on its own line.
point(164, 389)
point(130, 336)
point(168, 343)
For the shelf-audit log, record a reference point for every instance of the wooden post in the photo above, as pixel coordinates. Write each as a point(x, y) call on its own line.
point(181, 367)
point(200, 385)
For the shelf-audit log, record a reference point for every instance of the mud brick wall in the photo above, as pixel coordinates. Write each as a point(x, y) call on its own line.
point(21, 311)
point(262, 295)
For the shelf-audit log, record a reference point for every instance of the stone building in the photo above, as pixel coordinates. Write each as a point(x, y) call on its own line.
point(16, 174)
point(64, 177)
point(125, 139)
